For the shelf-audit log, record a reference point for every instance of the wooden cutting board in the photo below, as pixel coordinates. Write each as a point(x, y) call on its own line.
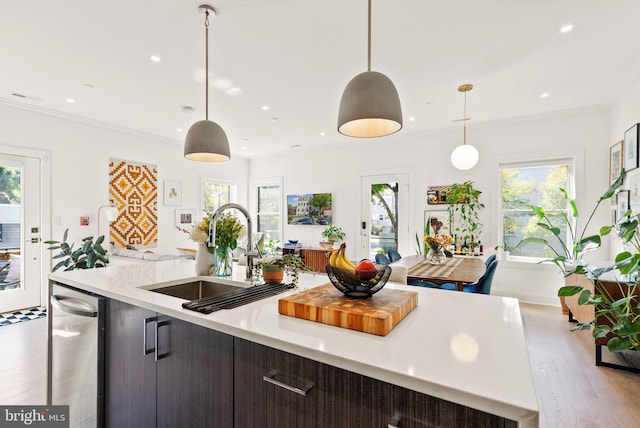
point(378, 314)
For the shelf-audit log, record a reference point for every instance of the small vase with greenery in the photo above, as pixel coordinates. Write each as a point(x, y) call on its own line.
point(88, 256)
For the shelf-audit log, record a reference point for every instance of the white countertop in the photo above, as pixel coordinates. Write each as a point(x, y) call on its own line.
point(462, 347)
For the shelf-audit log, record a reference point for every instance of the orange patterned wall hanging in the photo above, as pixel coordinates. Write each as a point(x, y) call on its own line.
point(133, 189)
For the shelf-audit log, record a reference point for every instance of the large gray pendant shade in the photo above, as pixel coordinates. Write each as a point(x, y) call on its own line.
point(206, 140)
point(370, 105)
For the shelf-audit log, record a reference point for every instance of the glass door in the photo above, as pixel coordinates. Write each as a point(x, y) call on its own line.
point(20, 285)
point(384, 224)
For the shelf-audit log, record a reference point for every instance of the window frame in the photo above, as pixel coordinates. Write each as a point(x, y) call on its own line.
point(571, 163)
point(233, 189)
point(254, 203)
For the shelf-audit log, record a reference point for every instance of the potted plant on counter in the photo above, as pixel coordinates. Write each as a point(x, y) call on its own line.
point(273, 268)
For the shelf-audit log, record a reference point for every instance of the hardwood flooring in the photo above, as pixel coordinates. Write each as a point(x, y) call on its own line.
point(23, 363)
point(571, 390)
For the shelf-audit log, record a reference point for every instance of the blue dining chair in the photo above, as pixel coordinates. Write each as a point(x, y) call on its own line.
point(481, 286)
point(394, 255)
point(425, 284)
point(381, 259)
point(491, 258)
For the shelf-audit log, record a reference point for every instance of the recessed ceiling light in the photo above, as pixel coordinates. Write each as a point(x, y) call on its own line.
point(155, 58)
point(88, 86)
point(244, 147)
point(544, 95)
point(295, 146)
point(566, 28)
point(179, 129)
point(274, 119)
point(411, 119)
point(187, 109)
point(322, 134)
point(71, 100)
point(265, 108)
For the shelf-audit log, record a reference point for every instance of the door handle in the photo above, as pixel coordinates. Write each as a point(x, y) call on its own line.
point(88, 311)
point(271, 379)
point(157, 354)
point(146, 321)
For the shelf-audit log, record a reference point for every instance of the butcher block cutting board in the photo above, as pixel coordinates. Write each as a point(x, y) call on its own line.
point(378, 314)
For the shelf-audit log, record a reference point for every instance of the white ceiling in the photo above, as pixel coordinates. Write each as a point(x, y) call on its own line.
point(296, 56)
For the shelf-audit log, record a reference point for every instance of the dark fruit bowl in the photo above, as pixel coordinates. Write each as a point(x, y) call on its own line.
point(347, 281)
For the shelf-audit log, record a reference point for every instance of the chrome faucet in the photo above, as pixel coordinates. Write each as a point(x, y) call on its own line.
point(212, 234)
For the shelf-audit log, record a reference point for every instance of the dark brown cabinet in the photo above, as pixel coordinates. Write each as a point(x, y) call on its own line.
point(164, 372)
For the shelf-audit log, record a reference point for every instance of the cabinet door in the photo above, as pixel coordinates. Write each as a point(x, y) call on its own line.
point(194, 376)
point(340, 398)
point(130, 374)
point(278, 402)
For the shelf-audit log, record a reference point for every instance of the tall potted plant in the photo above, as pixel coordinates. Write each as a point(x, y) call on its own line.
point(616, 302)
point(569, 251)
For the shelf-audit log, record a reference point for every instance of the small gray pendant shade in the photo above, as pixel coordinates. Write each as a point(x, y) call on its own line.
point(370, 105)
point(206, 140)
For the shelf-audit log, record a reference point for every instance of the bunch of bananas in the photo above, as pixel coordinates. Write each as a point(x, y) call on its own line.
point(340, 260)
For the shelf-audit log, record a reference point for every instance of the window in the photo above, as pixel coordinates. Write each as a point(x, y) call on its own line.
point(536, 184)
point(268, 211)
point(217, 193)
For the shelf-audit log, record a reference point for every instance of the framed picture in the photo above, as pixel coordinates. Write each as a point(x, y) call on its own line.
point(184, 218)
point(616, 159)
point(309, 209)
point(623, 203)
point(437, 221)
point(634, 192)
point(173, 193)
point(631, 148)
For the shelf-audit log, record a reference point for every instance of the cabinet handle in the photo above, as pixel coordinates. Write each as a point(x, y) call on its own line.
point(157, 354)
point(145, 350)
point(271, 379)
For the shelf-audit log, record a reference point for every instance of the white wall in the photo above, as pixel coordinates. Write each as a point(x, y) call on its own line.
point(80, 154)
point(338, 168)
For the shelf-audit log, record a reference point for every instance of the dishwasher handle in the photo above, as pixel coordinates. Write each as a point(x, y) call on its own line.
point(88, 311)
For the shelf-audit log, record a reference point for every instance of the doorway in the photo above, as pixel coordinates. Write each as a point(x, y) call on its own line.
point(384, 224)
point(20, 230)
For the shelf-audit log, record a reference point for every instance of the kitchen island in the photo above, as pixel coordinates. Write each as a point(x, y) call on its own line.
point(464, 348)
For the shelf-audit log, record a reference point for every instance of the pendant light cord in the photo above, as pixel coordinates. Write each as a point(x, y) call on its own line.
point(465, 119)
point(206, 47)
point(369, 40)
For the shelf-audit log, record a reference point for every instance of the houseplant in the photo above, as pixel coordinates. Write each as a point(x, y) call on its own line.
point(568, 254)
point(89, 255)
point(616, 303)
point(333, 234)
point(273, 268)
point(464, 205)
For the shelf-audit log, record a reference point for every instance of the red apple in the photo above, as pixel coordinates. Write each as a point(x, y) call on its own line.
point(366, 270)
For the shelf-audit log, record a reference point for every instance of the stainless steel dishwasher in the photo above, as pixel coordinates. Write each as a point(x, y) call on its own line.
point(76, 353)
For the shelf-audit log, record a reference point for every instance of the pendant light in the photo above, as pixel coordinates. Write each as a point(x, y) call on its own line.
point(370, 105)
point(206, 140)
point(465, 156)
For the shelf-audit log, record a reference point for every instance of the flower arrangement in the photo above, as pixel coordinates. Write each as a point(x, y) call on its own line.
point(437, 242)
point(228, 231)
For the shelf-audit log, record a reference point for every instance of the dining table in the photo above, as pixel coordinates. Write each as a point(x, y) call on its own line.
point(460, 271)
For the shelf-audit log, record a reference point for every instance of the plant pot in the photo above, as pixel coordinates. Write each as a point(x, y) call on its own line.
point(272, 273)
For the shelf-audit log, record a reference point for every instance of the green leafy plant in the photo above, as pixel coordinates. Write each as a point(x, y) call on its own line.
point(464, 205)
point(617, 309)
point(290, 262)
point(333, 233)
point(572, 247)
point(89, 255)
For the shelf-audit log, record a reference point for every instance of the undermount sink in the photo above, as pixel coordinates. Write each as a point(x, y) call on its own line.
point(197, 290)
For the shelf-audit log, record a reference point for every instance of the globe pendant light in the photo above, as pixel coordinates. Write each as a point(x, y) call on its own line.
point(370, 105)
point(206, 140)
point(465, 156)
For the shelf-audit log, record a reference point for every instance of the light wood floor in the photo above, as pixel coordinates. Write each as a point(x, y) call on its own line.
point(571, 390)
